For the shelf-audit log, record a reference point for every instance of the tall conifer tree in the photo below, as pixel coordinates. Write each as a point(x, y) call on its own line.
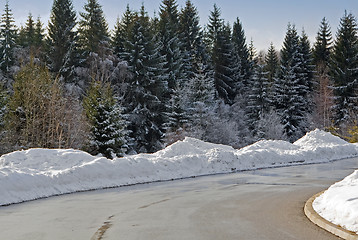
point(93, 28)
point(224, 62)
point(8, 38)
point(344, 71)
point(62, 39)
point(144, 100)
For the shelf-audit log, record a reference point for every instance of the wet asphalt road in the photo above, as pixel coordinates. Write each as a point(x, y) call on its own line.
point(260, 204)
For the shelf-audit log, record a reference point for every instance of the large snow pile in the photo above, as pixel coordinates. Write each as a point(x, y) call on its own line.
point(37, 173)
point(339, 204)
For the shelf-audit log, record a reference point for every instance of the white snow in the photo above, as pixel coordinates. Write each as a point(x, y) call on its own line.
point(38, 173)
point(339, 204)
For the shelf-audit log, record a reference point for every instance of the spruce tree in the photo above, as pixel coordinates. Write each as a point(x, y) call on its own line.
point(344, 71)
point(62, 40)
point(191, 37)
point(271, 64)
point(323, 44)
point(108, 134)
point(305, 72)
point(26, 34)
point(287, 87)
point(147, 86)
point(224, 62)
point(93, 28)
point(171, 46)
point(243, 54)
point(8, 39)
point(121, 31)
point(258, 103)
point(323, 92)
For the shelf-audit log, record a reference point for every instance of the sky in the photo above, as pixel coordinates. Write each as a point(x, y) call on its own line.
point(264, 21)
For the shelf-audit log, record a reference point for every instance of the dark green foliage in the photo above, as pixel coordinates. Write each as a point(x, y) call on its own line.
point(243, 54)
point(258, 103)
point(104, 116)
point(32, 35)
point(224, 61)
point(322, 47)
point(271, 64)
point(8, 39)
point(121, 31)
point(191, 37)
point(93, 28)
point(171, 46)
point(344, 71)
point(147, 86)
point(61, 41)
point(288, 87)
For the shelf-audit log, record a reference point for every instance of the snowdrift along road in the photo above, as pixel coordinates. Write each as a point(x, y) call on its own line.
point(38, 173)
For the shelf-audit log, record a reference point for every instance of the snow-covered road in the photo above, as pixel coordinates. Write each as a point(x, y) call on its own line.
point(260, 204)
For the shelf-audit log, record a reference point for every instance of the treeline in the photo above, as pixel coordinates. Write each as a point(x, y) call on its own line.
point(153, 80)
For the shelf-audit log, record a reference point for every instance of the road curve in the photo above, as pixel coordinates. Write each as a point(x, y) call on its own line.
point(262, 204)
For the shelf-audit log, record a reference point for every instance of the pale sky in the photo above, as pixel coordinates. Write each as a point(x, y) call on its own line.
point(264, 21)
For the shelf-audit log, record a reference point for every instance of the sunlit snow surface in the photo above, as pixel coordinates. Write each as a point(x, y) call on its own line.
point(38, 173)
point(339, 204)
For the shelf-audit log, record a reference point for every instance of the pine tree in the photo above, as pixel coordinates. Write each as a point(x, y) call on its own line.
point(108, 134)
point(224, 62)
point(8, 39)
point(62, 40)
point(93, 28)
point(144, 99)
point(344, 71)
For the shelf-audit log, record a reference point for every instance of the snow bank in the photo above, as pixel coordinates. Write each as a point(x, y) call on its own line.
point(38, 173)
point(339, 204)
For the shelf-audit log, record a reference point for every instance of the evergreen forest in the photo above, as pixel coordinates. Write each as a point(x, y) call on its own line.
point(151, 81)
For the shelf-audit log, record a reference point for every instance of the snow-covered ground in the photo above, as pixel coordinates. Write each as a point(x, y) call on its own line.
point(38, 173)
point(339, 204)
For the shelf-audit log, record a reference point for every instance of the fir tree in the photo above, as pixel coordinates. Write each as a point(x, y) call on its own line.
point(344, 71)
point(93, 28)
point(8, 39)
point(108, 134)
point(62, 39)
